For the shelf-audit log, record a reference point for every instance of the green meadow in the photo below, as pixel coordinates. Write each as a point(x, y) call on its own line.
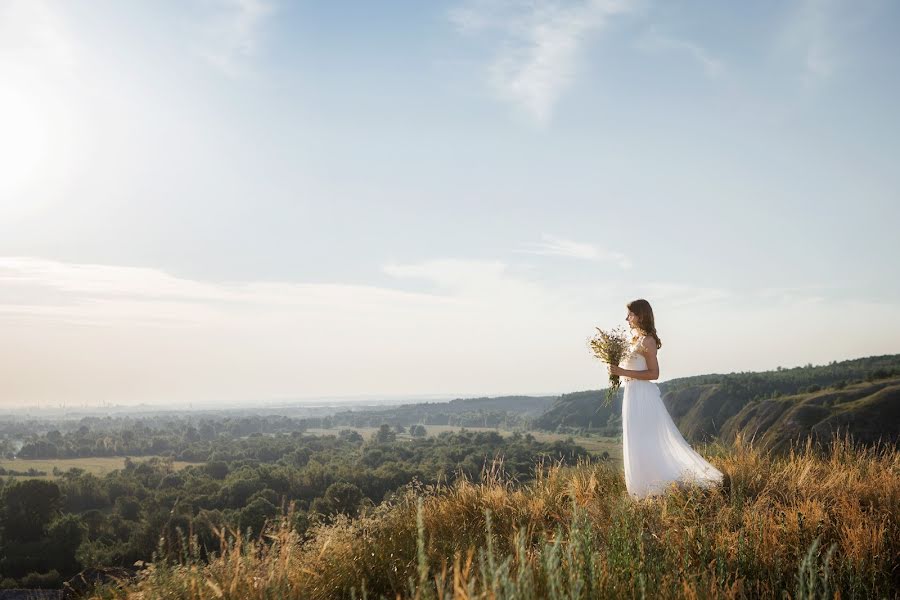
point(96, 465)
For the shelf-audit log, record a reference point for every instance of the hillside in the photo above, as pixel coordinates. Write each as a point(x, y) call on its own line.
point(816, 526)
point(857, 395)
point(868, 410)
point(580, 409)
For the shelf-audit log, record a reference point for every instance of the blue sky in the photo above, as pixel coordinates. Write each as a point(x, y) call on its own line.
point(246, 200)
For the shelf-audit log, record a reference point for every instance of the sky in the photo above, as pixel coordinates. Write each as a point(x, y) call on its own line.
point(245, 201)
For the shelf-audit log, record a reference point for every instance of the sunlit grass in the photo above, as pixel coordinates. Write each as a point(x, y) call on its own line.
point(811, 524)
point(100, 465)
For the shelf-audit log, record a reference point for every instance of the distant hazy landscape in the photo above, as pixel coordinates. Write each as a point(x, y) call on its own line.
point(97, 493)
point(321, 300)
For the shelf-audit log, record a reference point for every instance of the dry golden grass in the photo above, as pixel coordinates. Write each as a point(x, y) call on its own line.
point(814, 525)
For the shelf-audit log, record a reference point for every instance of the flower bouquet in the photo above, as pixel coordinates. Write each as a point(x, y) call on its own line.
point(610, 347)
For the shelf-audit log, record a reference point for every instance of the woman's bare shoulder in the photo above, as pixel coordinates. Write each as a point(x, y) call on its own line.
point(647, 344)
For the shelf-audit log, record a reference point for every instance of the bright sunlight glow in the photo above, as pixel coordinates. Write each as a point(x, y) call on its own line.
point(24, 142)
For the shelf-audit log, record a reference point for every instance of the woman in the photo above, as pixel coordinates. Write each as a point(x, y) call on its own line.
point(656, 454)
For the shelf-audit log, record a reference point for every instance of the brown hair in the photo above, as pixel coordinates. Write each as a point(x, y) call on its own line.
point(643, 312)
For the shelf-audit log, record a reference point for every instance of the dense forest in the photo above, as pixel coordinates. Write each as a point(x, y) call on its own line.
point(51, 529)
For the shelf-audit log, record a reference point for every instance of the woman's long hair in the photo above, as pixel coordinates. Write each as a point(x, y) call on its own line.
point(644, 313)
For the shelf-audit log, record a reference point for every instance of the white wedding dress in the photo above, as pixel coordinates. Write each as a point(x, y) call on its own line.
point(655, 452)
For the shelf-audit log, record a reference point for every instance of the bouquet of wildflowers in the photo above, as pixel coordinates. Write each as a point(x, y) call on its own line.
point(610, 347)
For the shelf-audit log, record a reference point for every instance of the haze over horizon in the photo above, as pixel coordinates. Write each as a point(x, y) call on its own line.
point(227, 200)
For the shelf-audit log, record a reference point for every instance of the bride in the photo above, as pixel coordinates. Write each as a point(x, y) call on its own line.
point(655, 452)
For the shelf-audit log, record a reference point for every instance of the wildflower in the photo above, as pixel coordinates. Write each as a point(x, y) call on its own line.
point(610, 347)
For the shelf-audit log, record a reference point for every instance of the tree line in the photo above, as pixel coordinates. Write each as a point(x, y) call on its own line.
point(50, 529)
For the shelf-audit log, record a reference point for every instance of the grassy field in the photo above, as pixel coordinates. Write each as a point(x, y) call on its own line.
point(593, 444)
point(98, 466)
point(807, 525)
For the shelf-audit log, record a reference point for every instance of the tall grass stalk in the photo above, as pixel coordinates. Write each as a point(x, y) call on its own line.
point(573, 532)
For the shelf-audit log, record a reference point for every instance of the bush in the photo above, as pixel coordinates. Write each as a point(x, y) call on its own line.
point(48, 580)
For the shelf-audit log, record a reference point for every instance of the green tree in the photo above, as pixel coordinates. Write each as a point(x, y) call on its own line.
point(27, 507)
point(66, 534)
point(384, 435)
point(350, 435)
point(255, 514)
point(344, 498)
point(128, 507)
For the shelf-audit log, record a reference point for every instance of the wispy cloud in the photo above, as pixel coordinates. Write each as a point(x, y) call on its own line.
point(554, 246)
point(231, 33)
point(450, 273)
point(97, 293)
point(810, 31)
point(802, 294)
point(539, 45)
point(490, 287)
point(820, 31)
point(95, 332)
point(677, 295)
point(654, 41)
point(140, 334)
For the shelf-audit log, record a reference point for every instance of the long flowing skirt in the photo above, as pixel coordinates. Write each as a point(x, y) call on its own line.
point(656, 454)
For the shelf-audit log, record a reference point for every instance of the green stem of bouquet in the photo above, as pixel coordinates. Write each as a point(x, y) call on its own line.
point(614, 383)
